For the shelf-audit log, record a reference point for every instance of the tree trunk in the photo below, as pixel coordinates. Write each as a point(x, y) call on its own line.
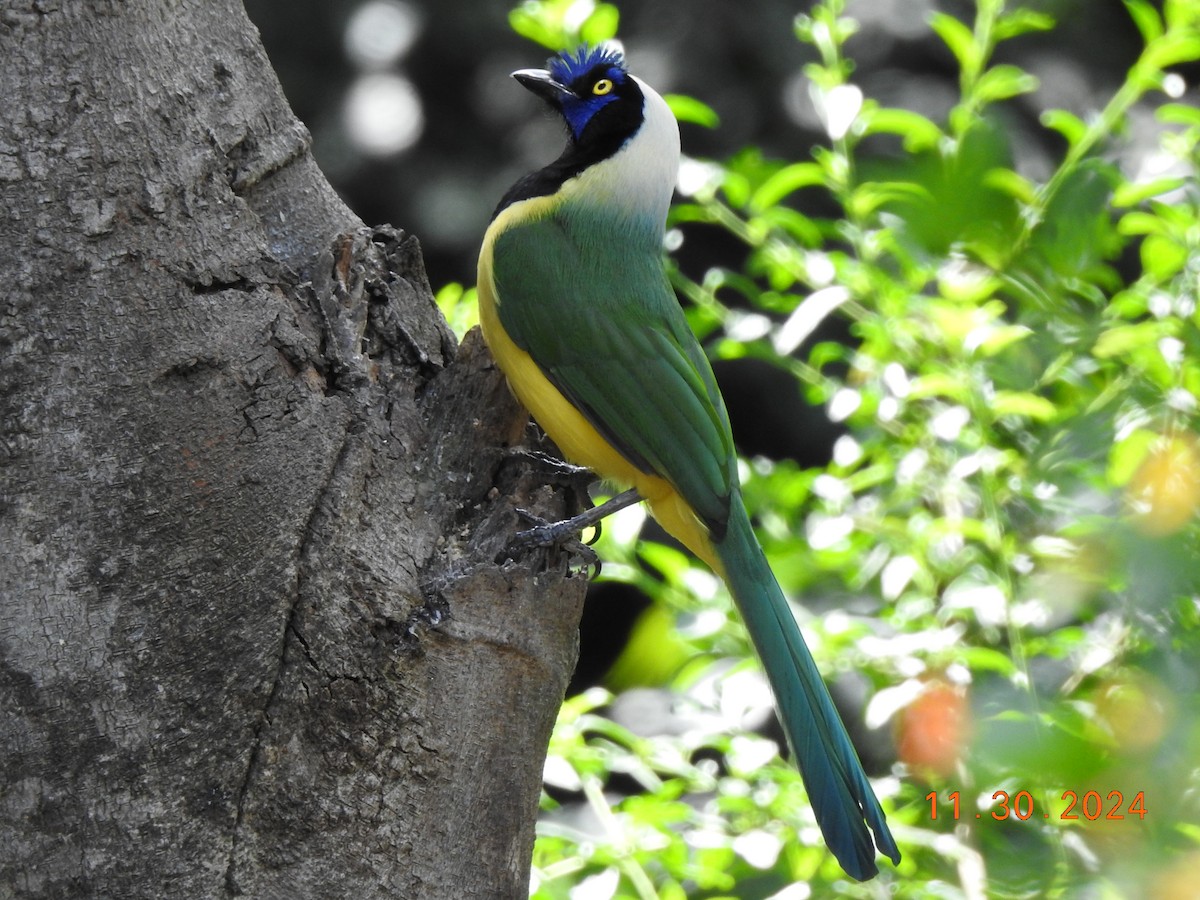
point(252, 637)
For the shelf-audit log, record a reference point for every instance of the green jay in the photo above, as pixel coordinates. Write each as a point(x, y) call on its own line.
point(576, 308)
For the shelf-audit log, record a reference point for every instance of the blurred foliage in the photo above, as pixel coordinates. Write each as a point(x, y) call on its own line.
point(1003, 555)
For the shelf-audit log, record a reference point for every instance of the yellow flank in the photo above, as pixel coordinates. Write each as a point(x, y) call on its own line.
point(575, 436)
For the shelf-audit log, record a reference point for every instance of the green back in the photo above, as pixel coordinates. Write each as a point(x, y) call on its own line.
point(584, 293)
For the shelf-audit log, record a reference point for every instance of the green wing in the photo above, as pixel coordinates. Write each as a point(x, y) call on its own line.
point(594, 310)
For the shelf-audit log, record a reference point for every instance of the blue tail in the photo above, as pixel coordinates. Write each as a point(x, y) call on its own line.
point(837, 787)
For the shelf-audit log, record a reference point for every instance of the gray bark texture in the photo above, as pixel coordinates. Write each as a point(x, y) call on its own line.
point(253, 640)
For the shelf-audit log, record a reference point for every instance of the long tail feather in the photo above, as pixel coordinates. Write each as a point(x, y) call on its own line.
point(841, 795)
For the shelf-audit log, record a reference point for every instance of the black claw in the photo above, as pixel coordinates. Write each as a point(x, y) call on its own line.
point(596, 529)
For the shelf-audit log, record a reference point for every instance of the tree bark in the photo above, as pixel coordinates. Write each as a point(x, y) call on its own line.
point(253, 640)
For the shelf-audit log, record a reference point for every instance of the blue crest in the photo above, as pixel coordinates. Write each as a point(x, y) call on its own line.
point(568, 66)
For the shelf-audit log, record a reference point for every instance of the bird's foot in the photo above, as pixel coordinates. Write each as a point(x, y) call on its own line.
point(563, 535)
point(566, 533)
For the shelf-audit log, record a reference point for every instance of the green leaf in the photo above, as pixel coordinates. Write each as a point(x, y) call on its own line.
point(459, 307)
point(1146, 18)
point(1015, 185)
point(786, 181)
point(530, 22)
point(1019, 22)
point(1004, 81)
point(919, 133)
point(987, 659)
point(551, 24)
point(960, 39)
point(601, 25)
point(1003, 336)
point(970, 286)
point(871, 195)
point(1178, 114)
point(737, 188)
point(1127, 454)
point(802, 27)
point(939, 384)
point(799, 226)
point(1140, 222)
point(1067, 124)
point(1132, 193)
point(1181, 14)
point(1172, 50)
point(1123, 339)
point(1025, 405)
point(689, 109)
point(1162, 257)
point(653, 653)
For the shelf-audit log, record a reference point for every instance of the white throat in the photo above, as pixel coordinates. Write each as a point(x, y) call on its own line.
point(639, 179)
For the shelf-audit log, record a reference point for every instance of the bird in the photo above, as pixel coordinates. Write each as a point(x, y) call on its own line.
point(577, 310)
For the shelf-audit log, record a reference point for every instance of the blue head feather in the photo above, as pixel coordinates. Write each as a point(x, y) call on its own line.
point(568, 66)
point(579, 71)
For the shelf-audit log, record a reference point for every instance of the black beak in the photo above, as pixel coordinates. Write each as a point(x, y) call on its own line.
point(543, 84)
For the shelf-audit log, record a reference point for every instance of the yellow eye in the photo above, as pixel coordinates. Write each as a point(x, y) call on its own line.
point(602, 87)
